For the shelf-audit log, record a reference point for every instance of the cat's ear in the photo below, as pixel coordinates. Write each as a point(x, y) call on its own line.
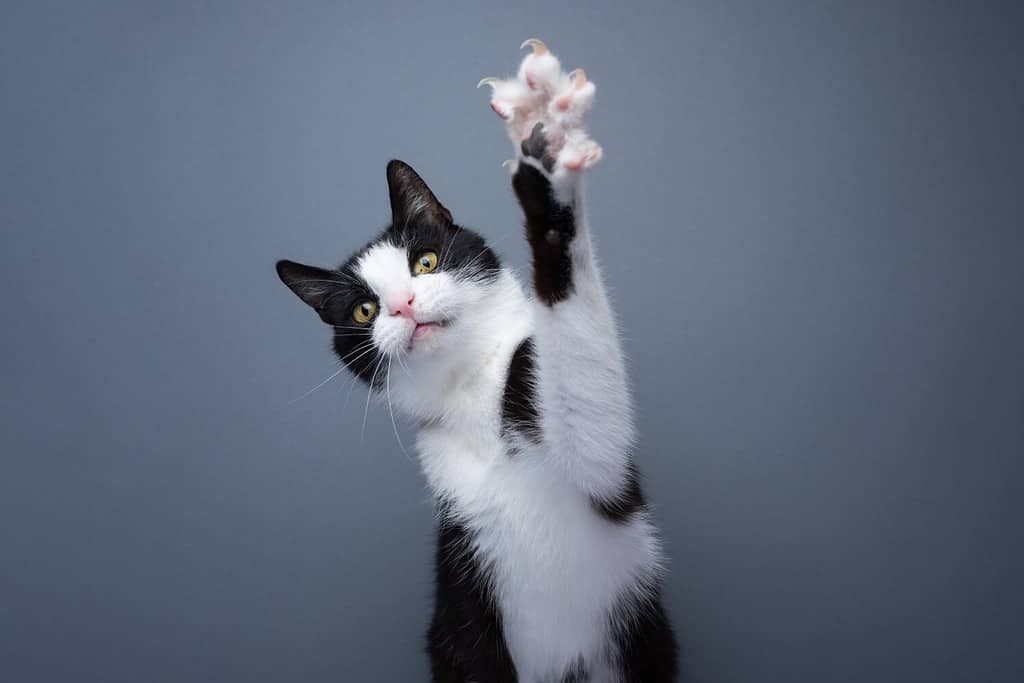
point(313, 285)
point(411, 199)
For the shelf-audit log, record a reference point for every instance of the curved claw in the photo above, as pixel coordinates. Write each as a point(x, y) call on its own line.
point(578, 78)
point(489, 80)
point(508, 163)
point(538, 46)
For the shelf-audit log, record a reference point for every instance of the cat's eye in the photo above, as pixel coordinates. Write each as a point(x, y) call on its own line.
point(424, 263)
point(364, 311)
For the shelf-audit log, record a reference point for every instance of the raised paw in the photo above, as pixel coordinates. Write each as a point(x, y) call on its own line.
point(545, 109)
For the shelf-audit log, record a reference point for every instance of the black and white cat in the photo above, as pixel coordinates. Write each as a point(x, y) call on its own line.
point(548, 565)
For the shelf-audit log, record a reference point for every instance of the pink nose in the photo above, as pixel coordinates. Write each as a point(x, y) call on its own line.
point(397, 307)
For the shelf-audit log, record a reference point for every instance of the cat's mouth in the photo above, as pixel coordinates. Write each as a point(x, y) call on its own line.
point(424, 329)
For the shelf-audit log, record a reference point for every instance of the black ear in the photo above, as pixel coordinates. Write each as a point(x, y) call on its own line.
point(313, 285)
point(411, 199)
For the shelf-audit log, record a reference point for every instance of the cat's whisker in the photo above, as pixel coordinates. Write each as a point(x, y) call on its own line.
point(473, 262)
point(359, 347)
point(352, 382)
point(332, 376)
point(369, 395)
point(466, 267)
point(404, 368)
point(364, 348)
point(387, 389)
point(447, 243)
point(353, 361)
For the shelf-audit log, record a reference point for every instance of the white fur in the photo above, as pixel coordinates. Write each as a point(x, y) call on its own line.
point(558, 566)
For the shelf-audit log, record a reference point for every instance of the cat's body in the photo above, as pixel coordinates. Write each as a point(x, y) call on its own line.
point(548, 566)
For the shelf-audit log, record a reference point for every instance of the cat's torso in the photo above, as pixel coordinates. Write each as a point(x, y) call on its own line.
point(556, 568)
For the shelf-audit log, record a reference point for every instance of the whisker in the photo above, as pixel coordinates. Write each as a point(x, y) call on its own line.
point(448, 244)
point(404, 368)
point(351, 386)
point(332, 376)
point(369, 395)
point(394, 426)
point(361, 355)
point(359, 347)
point(472, 263)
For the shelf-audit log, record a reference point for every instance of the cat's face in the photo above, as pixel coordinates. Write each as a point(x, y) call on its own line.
point(416, 293)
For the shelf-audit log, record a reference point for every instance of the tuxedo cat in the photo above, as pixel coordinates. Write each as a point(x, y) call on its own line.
point(548, 564)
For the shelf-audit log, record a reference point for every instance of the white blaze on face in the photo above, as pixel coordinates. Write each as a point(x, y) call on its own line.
point(436, 296)
point(385, 268)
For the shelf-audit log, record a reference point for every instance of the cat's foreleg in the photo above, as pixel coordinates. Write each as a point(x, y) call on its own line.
point(582, 394)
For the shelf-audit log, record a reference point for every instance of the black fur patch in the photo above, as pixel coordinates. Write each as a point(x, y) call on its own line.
point(518, 404)
point(550, 227)
point(466, 641)
point(333, 294)
point(536, 146)
point(621, 508)
point(629, 501)
point(411, 199)
point(645, 640)
point(459, 250)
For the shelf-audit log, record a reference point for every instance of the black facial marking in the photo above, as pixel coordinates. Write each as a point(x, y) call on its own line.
point(621, 508)
point(518, 404)
point(460, 251)
point(466, 640)
point(334, 294)
point(550, 227)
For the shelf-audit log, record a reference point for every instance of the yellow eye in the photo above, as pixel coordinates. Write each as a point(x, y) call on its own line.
point(424, 263)
point(364, 311)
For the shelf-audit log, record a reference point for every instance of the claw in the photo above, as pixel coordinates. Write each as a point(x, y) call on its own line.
point(578, 78)
point(539, 48)
point(489, 80)
point(507, 163)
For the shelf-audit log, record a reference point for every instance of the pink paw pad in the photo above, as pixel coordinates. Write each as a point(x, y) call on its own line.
point(541, 93)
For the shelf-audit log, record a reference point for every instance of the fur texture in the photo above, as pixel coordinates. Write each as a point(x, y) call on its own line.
point(548, 565)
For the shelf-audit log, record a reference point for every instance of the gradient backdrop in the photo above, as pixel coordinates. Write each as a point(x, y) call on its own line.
point(810, 214)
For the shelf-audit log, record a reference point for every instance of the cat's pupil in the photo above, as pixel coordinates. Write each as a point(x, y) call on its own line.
point(425, 261)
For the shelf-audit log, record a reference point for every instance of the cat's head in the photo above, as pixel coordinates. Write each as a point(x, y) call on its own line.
point(419, 292)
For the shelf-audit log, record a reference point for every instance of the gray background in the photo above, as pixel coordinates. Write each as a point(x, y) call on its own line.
point(810, 214)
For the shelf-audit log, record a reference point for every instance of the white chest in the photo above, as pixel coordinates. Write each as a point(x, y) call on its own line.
point(558, 567)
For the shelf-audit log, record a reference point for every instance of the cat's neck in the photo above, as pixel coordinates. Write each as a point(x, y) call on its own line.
point(464, 391)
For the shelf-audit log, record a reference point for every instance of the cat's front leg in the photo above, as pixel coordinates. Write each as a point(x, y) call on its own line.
point(544, 110)
point(580, 381)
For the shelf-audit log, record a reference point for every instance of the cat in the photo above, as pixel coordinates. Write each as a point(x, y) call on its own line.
point(548, 564)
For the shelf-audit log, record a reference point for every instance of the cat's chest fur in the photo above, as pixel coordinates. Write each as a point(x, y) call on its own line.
point(556, 567)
